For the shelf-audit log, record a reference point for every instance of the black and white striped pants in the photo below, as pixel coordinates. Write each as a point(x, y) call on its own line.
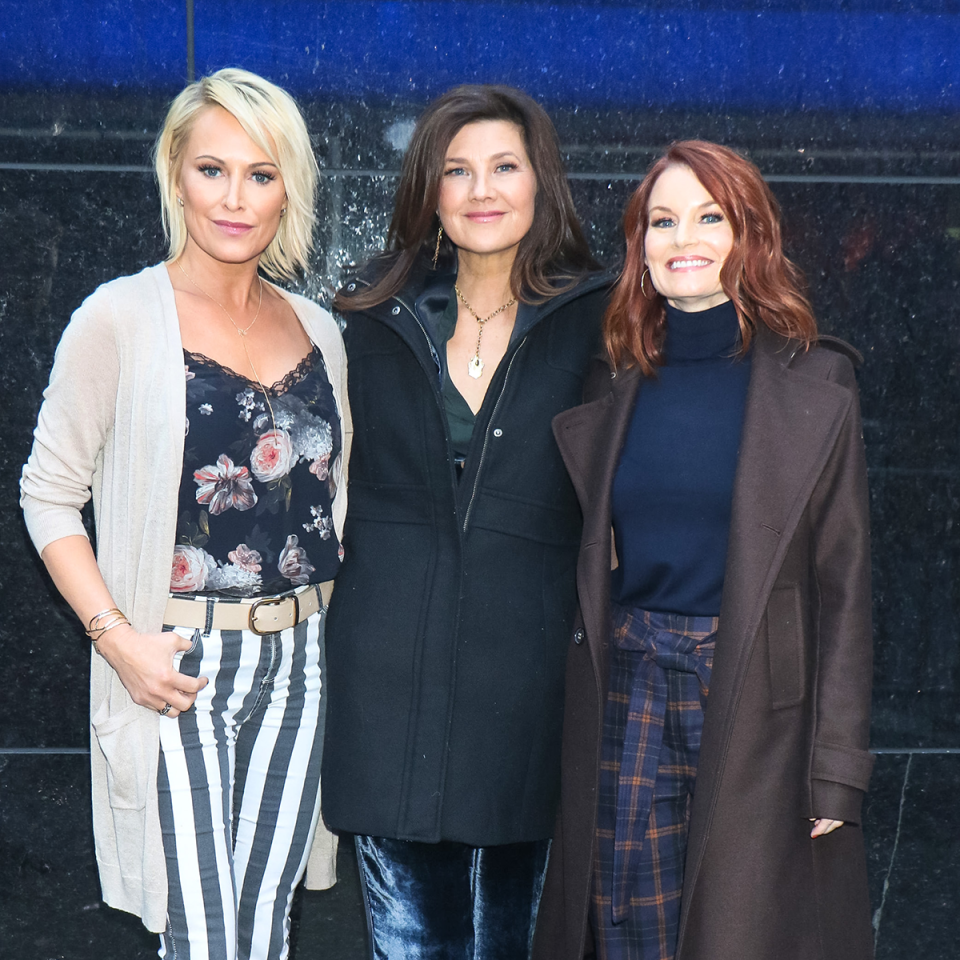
point(238, 782)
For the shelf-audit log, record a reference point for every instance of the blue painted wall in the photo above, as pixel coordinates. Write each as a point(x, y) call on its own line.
point(846, 55)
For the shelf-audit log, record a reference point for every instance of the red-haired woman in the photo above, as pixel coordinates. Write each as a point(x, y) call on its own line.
point(715, 753)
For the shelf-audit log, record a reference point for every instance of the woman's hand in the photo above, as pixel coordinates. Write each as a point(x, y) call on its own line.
point(144, 663)
point(822, 827)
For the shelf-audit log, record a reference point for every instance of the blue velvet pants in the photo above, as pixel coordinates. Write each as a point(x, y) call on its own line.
point(451, 901)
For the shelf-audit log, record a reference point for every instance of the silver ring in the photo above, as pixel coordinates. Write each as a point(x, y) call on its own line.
point(167, 707)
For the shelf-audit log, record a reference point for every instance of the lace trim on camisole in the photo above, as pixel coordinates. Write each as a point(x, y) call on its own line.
point(278, 389)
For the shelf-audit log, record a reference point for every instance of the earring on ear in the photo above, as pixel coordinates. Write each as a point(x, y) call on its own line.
point(436, 252)
point(283, 211)
point(646, 273)
point(180, 201)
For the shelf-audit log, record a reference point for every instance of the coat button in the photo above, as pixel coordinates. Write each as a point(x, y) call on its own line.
point(395, 311)
point(351, 287)
point(578, 636)
point(498, 432)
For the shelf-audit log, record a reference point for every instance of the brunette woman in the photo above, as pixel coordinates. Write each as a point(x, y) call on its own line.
point(447, 638)
point(719, 463)
point(206, 409)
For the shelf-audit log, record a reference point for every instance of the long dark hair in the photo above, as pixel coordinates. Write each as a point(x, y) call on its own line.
point(763, 285)
point(552, 256)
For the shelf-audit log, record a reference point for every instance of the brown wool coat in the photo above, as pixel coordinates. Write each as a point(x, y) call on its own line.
point(787, 720)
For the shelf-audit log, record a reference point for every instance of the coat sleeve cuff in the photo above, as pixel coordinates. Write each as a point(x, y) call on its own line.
point(842, 764)
point(836, 801)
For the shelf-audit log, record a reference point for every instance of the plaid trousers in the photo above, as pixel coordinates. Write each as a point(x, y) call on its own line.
point(659, 677)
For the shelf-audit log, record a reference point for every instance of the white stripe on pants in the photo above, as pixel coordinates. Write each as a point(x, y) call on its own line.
point(239, 780)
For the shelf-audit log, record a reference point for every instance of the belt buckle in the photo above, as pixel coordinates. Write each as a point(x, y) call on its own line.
point(263, 601)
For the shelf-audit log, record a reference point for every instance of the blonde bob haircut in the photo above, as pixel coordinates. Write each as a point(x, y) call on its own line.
point(272, 120)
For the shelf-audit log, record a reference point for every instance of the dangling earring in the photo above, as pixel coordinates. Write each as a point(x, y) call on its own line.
point(645, 297)
point(436, 252)
point(180, 201)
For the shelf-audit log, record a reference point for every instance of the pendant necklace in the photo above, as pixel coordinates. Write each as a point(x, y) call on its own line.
point(475, 364)
point(243, 333)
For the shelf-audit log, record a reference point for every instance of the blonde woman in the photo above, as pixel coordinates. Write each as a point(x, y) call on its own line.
point(205, 410)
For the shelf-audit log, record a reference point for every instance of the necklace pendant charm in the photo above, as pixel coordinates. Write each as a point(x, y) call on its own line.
point(475, 367)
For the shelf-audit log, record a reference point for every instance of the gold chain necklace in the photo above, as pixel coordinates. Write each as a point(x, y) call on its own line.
point(475, 364)
point(243, 334)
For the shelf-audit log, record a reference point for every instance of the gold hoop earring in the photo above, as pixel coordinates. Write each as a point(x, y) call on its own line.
point(645, 273)
point(436, 251)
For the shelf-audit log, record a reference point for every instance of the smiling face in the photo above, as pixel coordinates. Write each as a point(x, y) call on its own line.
point(232, 191)
point(688, 239)
point(488, 189)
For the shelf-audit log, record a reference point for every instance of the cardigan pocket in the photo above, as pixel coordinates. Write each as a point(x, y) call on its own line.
point(785, 646)
point(118, 737)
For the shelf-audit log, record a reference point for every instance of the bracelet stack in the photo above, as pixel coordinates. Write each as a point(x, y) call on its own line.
point(102, 622)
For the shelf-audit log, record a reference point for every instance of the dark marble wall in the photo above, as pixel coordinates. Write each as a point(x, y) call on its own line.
point(866, 173)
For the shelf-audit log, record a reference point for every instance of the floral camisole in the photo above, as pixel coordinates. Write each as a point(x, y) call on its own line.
point(256, 493)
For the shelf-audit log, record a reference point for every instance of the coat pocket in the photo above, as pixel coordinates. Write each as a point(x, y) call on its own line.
point(119, 739)
point(785, 646)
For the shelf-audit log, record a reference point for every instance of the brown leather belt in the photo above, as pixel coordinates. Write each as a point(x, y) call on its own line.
point(262, 615)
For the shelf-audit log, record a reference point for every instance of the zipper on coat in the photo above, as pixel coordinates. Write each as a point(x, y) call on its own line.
point(439, 397)
point(486, 435)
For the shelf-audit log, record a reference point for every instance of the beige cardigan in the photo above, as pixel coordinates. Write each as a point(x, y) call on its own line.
point(112, 421)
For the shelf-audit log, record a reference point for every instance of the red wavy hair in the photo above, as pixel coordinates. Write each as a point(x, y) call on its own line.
point(764, 286)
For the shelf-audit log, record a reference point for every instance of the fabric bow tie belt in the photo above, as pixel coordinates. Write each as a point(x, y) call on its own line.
point(689, 660)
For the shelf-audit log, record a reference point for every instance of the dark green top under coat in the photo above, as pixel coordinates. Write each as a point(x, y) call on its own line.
point(460, 418)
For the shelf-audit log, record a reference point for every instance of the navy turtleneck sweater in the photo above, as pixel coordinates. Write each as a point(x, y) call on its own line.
point(673, 490)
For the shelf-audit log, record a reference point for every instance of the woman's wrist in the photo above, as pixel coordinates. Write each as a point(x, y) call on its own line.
point(109, 641)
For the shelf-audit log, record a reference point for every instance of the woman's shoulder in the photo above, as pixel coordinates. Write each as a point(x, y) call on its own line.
point(130, 289)
point(320, 325)
point(123, 306)
point(595, 285)
point(306, 308)
point(371, 271)
point(828, 358)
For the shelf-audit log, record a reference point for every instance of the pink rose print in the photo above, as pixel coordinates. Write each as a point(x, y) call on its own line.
point(224, 486)
point(273, 456)
point(190, 569)
point(293, 563)
point(245, 558)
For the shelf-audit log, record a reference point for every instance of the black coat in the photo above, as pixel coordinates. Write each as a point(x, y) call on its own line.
point(787, 719)
point(447, 633)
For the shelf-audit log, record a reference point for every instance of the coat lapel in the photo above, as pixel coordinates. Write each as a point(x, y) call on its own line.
point(791, 423)
point(590, 438)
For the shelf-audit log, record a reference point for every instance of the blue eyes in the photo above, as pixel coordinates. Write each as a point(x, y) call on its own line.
point(259, 176)
point(499, 168)
point(665, 223)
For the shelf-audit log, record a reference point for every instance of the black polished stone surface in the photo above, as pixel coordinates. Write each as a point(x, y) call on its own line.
point(861, 149)
point(51, 908)
point(919, 909)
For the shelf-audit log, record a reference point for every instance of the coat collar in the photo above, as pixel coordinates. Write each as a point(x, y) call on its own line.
point(590, 438)
point(432, 288)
